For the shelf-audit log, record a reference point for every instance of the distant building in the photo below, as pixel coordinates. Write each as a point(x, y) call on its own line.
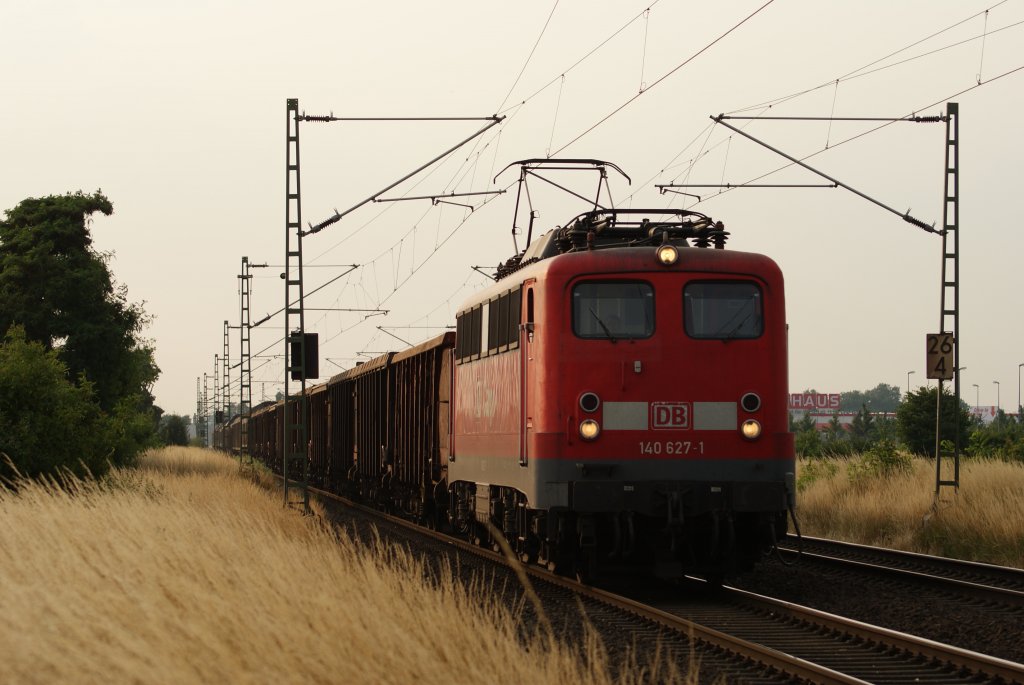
point(814, 401)
point(988, 414)
point(822, 407)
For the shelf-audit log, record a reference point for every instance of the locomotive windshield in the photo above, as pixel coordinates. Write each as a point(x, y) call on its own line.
point(613, 310)
point(723, 310)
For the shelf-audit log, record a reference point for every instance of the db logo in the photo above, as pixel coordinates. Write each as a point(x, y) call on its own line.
point(670, 415)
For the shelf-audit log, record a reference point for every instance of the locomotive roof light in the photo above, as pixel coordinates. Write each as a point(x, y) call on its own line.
point(589, 429)
point(667, 255)
point(751, 429)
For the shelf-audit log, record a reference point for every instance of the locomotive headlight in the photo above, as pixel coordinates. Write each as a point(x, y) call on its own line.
point(589, 429)
point(667, 255)
point(751, 429)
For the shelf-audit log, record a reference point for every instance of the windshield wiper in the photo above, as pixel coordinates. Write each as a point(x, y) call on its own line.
point(604, 327)
point(728, 324)
point(733, 333)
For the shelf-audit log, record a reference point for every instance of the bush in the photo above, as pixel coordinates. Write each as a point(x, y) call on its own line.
point(174, 430)
point(808, 443)
point(812, 470)
point(881, 461)
point(47, 422)
point(1001, 439)
point(916, 420)
point(133, 432)
point(838, 448)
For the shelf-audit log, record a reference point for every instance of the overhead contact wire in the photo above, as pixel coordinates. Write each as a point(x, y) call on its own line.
point(856, 73)
point(554, 121)
point(436, 250)
point(725, 162)
point(665, 76)
point(497, 136)
point(643, 55)
point(926, 38)
point(577, 62)
point(835, 96)
point(530, 56)
point(984, 32)
point(877, 128)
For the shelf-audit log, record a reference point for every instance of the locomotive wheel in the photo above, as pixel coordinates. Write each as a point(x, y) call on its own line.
point(587, 567)
point(527, 553)
point(557, 562)
point(432, 517)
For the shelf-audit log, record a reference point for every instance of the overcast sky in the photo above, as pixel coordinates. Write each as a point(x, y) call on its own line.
point(177, 112)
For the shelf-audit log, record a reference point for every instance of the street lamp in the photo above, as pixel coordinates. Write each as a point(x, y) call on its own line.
point(998, 403)
point(908, 382)
point(976, 391)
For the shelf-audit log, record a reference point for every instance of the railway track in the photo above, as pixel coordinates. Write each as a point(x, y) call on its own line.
point(858, 650)
point(745, 637)
point(999, 586)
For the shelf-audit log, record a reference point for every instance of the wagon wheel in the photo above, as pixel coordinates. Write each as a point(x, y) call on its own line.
point(431, 517)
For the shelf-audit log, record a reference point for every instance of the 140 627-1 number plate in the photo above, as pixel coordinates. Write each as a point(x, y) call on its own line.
point(673, 447)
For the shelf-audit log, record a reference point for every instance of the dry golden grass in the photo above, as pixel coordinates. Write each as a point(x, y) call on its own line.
point(181, 571)
point(984, 522)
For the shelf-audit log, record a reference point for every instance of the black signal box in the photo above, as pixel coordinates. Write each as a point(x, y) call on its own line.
point(312, 344)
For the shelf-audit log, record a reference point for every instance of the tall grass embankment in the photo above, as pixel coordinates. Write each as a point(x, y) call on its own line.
point(182, 571)
point(889, 502)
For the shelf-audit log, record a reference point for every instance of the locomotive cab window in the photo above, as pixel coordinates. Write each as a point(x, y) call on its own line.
point(613, 310)
point(723, 310)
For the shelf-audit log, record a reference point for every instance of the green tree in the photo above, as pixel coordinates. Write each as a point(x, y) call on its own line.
point(174, 429)
point(881, 398)
point(850, 400)
point(58, 288)
point(46, 421)
point(916, 420)
point(886, 429)
point(808, 443)
point(807, 439)
point(864, 430)
point(838, 443)
point(56, 285)
point(806, 423)
point(834, 429)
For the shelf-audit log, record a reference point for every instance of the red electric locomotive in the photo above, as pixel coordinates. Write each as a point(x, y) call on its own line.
point(620, 398)
point(617, 397)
